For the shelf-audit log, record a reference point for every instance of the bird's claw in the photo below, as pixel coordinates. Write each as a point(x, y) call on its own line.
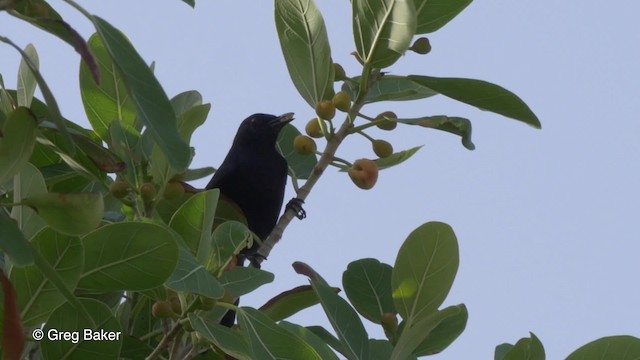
point(255, 259)
point(295, 204)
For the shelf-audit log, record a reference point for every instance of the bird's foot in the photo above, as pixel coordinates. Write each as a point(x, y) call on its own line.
point(254, 259)
point(295, 204)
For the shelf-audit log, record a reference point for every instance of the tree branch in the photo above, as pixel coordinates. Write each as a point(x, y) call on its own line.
point(324, 161)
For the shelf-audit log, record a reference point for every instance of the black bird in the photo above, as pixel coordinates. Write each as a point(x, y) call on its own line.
point(254, 176)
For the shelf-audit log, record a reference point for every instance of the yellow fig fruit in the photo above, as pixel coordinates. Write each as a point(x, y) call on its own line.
point(342, 100)
point(304, 145)
point(382, 148)
point(364, 173)
point(313, 128)
point(326, 109)
point(387, 124)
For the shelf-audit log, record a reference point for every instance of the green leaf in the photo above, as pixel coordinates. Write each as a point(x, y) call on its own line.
point(243, 280)
point(383, 30)
point(13, 243)
point(194, 220)
point(231, 342)
point(290, 302)
point(26, 81)
point(424, 271)
point(382, 350)
point(300, 166)
point(416, 333)
point(267, 340)
point(532, 349)
point(228, 239)
point(305, 46)
point(123, 142)
point(104, 159)
point(184, 101)
point(390, 88)
point(37, 296)
point(152, 105)
point(54, 111)
point(367, 283)
point(455, 125)
point(310, 338)
point(328, 338)
point(72, 214)
point(344, 320)
point(483, 95)
point(195, 174)
point(27, 183)
point(65, 318)
point(17, 139)
point(191, 119)
point(191, 3)
point(128, 256)
point(501, 351)
point(192, 277)
point(611, 347)
point(108, 101)
point(443, 334)
point(396, 158)
point(434, 14)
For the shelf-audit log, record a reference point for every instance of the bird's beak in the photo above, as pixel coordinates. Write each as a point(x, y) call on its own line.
point(281, 120)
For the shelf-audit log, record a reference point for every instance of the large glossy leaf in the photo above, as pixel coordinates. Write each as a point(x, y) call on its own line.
point(305, 46)
point(300, 166)
point(128, 256)
point(383, 30)
point(13, 243)
point(455, 125)
point(232, 342)
point(290, 302)
point(367, 283)
point(40, 14)
point(26, 81)
point(54, 111)
point(152, 105)
point(532, 349)
point(17, 140)
point(267, 340)
point(610, 347)
point(390, 88)
point(424, 271)
point(345, 321)
point(243, 280)
point(483, 95)
point(123, 142)
point(73, 213)
point(229, 238)
point(415, 334)
point(108, 101)
point(37, 296)
point(445, 332)
point(192, 277)
point(194, 220)
point(434, 14)
point(65, 318)
point(27, 183)
point(310, 338)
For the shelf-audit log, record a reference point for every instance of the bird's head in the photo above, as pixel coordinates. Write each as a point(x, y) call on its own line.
point(261, 129)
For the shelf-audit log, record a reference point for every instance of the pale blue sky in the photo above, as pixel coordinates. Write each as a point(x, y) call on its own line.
point(547, 220)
